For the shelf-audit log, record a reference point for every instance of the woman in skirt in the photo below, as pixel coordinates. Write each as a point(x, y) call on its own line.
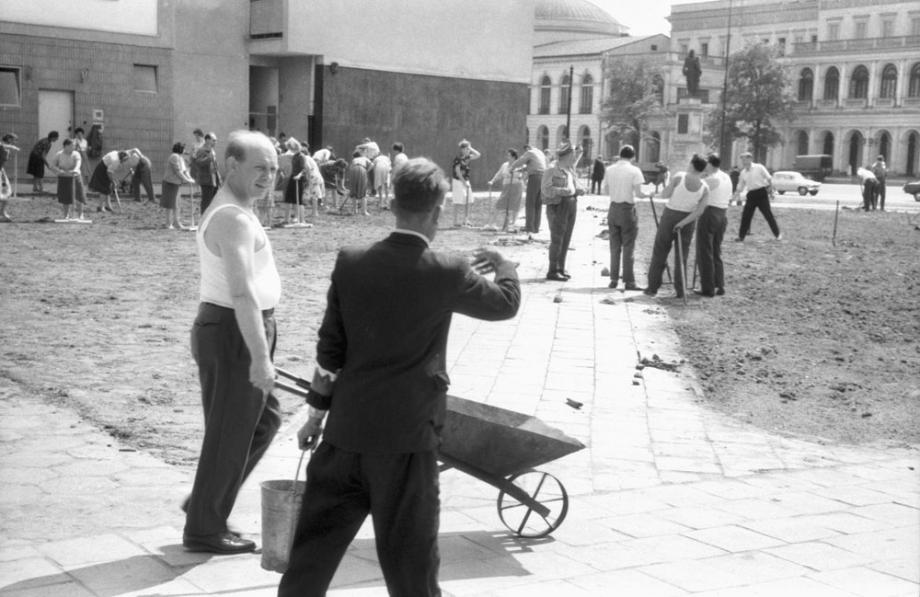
point(38, 159)
point(293, 190)
point(67, 163)
point(509, 201)
point(108, 172)
point(176, 175)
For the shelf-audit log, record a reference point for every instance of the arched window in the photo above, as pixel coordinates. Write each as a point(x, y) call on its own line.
point(564, 86)
point(542, 137)
point(806, 85)
point(859, 83)
point(884, 145)
point(654, 147)
point(587, 94)
point(546, 88)
point(913, 88)
point(831, 83)
point(658, 88)
point(802, 143)
point(889, 82)
point(827, 148)
point(562, 134)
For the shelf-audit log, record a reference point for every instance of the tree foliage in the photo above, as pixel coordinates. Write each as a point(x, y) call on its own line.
point(636, 93)
point(758, 98)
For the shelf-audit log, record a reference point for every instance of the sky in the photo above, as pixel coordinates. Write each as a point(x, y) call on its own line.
point(647, 20)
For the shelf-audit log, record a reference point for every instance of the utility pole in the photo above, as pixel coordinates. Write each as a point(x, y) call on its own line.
point(727, 52)
point(568, 116)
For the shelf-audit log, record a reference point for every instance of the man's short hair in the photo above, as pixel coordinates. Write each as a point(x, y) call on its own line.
point(178, 147)
point(418, 186)
point(210, 136)
point(198, 132)
point(714, 159)
point(122, 156)
point(746, 154)
point(67, 142)
point(880, 158)
point(10, 137)
point(398, 147)
point(464, 144)
point(513, 152)
point(627, 152)
point(79, 129)
point(698, 163)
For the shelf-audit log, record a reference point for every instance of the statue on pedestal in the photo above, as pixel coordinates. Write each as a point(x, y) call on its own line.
point(692, 72)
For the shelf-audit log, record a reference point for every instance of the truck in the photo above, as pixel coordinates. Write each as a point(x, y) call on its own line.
point(816, 166)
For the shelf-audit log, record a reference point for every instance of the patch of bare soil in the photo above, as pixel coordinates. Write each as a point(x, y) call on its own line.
point(811, 338)
point(97, 317)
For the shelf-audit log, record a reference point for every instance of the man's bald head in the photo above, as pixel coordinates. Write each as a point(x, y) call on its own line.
point(239, 142)
point(251, 162)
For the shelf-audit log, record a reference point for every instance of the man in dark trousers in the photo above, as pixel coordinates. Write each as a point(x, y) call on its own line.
point(233, 339)
point(559, 192)
point(535, 162)
point(381, 375)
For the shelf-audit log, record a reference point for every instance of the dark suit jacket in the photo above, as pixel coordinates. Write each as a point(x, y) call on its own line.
point(386, 323)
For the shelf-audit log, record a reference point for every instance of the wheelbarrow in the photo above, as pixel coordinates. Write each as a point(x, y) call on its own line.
point(502, 448)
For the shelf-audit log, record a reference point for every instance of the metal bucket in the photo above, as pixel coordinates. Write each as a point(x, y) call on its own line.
point(281, 500)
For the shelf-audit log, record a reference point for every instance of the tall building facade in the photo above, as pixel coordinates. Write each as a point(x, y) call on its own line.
point(150, 71)
point(854, 65)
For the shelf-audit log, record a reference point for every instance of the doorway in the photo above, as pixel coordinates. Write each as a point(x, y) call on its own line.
point(55, 113)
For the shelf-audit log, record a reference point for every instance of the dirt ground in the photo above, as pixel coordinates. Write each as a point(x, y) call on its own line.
point(810, 338)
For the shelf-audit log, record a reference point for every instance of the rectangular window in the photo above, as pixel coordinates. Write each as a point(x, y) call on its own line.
point(833, 31)
point(704, 49)
point(9, 86)
point(887, 28)
point(683, 124)
point(915, 26)
point(684, 49)
point(781, 42)
point(145, 78)
point(814, 39)
point(861, 29)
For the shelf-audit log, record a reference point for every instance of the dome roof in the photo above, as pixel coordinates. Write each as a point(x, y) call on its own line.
point(575, 16)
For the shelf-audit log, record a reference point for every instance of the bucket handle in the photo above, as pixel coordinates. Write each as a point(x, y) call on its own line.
point(294, 488)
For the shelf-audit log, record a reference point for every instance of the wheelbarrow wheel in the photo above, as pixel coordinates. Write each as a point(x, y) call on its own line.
point(521, 518)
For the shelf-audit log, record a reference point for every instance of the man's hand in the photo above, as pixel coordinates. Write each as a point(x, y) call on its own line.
point(310, 432)
point(262, 374)
point(486, 260)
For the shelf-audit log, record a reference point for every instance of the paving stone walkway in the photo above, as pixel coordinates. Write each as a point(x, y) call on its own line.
point(668, 497)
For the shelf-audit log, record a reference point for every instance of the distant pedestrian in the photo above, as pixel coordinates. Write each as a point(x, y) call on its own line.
point(560, 191)
point(509, 201)
point(175, 176)
point(205, 170)
point(755, 181)
point(881, 175)
point(597, 175)
point(399, 157)
point(333, 174)
point(141, 176)
point(381, 167)
point(356, 183)
point(7, 148)
point(296, 183)
point(67, 163)
point(623, 180)
point(661, 177)
point(81, 146)
point(324, 155)
point(710, 230)
point(461, 190)
point(370, 150)
point(38, 160)
point(688, 197)
point(109, 172)
point(868, 187)
point(534, 162)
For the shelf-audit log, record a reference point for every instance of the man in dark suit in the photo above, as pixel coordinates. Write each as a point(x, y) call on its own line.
point(381, 375)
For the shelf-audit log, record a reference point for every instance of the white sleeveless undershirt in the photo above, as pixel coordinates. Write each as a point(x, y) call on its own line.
point(682, 198)
point(214, 285)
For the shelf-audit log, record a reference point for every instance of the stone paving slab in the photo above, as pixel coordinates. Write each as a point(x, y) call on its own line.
point(668, 498)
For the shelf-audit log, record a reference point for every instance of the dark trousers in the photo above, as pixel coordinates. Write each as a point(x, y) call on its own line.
point(533, 207)
point(710, 231)
point(596, 184)
point(757, 199)
point(140, 178)
point(207, 195)
point(561, 219)
point(880, 194)
point(623, 225)
point(239, 421)
point(399, 491)
point(870, 192)
point(663, 241)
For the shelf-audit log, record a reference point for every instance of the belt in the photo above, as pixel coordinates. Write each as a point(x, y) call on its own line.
point(265, 312)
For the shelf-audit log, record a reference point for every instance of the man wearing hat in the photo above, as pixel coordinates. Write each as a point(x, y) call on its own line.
point(755, 181)
point(560, 191)
point(881, 173)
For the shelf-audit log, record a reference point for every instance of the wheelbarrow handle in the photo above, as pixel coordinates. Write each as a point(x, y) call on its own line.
point(303, 383)
point(281, 385)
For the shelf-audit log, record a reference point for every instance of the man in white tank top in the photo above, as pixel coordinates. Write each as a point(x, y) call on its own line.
point(687, 196)
point(232, 341)
point(711, 229)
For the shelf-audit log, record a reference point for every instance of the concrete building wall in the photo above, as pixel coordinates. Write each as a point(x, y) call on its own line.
point(136, 17)
point(429, 114)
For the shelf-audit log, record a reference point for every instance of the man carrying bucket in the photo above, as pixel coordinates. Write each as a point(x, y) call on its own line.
point(381, 375)
point(233, 339)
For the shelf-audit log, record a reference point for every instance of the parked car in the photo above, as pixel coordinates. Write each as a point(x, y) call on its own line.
point(913, 188)
point(787, 180)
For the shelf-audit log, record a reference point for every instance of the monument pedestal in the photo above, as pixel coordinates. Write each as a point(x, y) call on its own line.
point(688, 136)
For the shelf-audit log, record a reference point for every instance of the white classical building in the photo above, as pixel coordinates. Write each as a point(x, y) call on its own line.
point(855, 66)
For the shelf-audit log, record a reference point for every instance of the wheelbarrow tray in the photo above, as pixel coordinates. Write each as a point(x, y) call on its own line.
point(497, 441)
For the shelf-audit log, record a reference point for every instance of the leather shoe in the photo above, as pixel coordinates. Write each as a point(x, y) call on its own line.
point(613, 284)
point(720, 291)
point(565, 275)
point(633, 287)
point(220, 543)
point(555, 276)
point(701, 293)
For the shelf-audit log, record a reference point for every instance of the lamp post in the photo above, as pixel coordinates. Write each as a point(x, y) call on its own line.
point(568, 115)
point(727, 52)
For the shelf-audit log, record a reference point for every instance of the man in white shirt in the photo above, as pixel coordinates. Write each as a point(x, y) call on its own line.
point(623, 180)
point(711, 229)
point(755, 181)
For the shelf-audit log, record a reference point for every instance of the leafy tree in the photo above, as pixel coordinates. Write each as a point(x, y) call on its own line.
point(636, 94)
point(759, 95)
